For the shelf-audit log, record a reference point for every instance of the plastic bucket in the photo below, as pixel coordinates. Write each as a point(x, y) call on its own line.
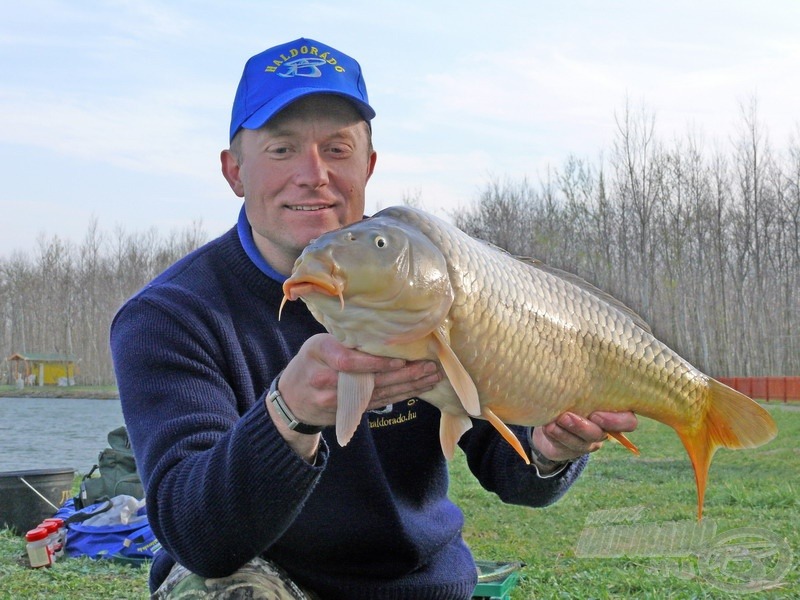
point(29, 497)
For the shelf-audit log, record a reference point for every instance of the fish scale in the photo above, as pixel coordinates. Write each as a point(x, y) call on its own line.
point(522, 293)
point(519, 342)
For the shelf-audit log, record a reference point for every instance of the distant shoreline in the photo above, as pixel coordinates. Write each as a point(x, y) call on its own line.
point(55, 391)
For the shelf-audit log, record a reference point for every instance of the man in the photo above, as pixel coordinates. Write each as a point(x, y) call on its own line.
point(226, 406)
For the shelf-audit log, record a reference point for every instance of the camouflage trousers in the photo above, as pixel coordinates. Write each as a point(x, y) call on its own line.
point(259, 579)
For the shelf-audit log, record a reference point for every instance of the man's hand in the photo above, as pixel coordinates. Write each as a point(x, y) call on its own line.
point(308, 384)
point(571, 436)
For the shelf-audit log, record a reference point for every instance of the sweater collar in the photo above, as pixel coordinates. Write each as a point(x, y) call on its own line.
point(249, 245)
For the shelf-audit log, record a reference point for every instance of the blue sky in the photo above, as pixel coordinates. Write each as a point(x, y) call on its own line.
point(117, 110)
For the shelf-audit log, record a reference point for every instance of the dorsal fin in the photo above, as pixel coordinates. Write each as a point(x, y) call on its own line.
point(577, 281)
point(580, 282)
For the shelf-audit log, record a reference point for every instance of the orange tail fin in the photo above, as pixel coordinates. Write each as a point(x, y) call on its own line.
point(732, 421)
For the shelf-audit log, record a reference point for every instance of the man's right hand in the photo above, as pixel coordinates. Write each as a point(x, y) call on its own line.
point(309, 382)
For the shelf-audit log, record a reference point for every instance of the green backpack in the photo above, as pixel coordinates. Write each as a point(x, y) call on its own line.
point(118, 473)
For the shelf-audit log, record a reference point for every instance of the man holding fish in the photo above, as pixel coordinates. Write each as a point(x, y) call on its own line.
point(230, 410)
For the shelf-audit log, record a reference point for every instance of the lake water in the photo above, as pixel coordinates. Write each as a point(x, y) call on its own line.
point(47, 433)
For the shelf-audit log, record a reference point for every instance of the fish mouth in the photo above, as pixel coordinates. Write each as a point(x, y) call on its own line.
point(298, 286)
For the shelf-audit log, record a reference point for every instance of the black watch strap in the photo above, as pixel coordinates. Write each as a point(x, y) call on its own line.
point(274, 397)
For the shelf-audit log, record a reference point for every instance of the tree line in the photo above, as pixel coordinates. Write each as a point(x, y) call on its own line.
point(61, 298)
point(704, 243)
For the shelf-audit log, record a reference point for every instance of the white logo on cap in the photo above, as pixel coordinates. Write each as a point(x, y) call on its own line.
point(303, 67)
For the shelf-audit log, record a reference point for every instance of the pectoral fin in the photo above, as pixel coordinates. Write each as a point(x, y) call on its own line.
point(507, 434)
point(459, 378)
point(353, 395)
point(451, 428)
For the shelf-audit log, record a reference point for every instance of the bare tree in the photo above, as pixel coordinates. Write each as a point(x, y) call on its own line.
point(62, 299)
point(639, 164)
point(704, 243)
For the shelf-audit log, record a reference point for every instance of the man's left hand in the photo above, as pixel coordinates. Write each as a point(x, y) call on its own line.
point(571, 436)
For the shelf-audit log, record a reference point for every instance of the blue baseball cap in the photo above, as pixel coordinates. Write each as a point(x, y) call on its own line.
point(278, 76)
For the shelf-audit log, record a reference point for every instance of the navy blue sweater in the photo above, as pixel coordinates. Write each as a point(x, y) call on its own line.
point(194, 353)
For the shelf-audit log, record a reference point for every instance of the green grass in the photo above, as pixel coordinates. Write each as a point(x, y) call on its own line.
point(747, 489)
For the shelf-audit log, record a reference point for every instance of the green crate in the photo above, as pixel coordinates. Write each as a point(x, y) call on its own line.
point(496, 579)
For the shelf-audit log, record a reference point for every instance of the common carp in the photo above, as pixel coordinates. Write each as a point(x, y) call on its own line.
point(519, 342)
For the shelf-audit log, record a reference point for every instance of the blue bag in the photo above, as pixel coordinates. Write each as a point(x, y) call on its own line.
point(132, 543)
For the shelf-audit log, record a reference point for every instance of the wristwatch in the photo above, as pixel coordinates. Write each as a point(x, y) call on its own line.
point(274, 397)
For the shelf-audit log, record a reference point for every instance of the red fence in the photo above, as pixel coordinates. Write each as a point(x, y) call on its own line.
point(766, 388)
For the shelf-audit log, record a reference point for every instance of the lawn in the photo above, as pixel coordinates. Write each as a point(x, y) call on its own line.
point(643, 506)
point(638, 499)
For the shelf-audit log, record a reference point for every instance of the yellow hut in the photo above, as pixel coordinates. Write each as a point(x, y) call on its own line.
point(43, 369)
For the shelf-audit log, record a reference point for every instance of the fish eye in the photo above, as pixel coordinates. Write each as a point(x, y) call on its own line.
point(380, 241)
